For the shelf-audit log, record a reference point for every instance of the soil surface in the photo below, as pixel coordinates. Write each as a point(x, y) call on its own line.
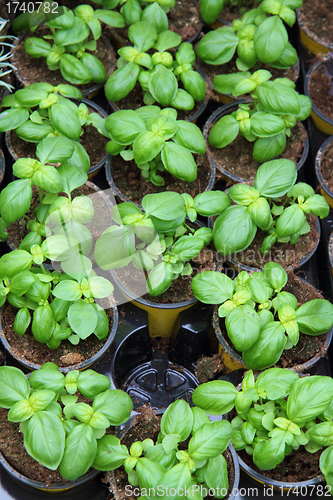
point(238, 160)
point(298, 466)
point(318, 17)
point(209, 368)
point(93, 142)
point(210, 71)
point(307, 346)
point(32, 70)
point(231, 12)
point(180, 290)
point(285, 254)
point(26, 347)
point(319, 87)
point(184, 19)
point(134, 100)
point(147, 425)
point(327, 167)
point(129, 181)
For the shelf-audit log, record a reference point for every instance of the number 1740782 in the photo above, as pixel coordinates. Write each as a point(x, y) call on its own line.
point(21, 7)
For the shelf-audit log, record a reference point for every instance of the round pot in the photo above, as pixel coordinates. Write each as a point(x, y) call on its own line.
point(52, 488)
point(89, 92)
point(324, 189)
point(322, 122)
point(94, 169)
point(226, 110)
point(128, 427)
point(104, 204)
point(233, 361)
point(30, 365)
point(282, 486)
point(192, 118)
point(330, 251)
point(109, 172)
point(2, 166)
point(239, 266)
point(163, 319)
point(311, 41)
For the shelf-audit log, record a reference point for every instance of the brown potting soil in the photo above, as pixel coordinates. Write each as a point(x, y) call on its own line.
point(134, 100)
point(300, 465)
point(237, 158)
point(180, 289)
point(26, 347)
point(231, 12)
point(210, 71)
point(129, 181)
point(319, 86)
point(93, 142)
point(146, 425)
point(318, 17)
point(285, 254)
point(100, 221)
point(327, 167)
point(308, 345)
point(34, 70)
point(209, 368)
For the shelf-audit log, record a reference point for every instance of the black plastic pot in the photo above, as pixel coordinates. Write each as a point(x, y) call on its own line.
point(90, 92)
point(330, 251)
point(324, 190)
point(283, 487)
point(226, 110)
point(311, 41)
point(88, 363)
point(321, 121)
point(233, 361)
point(52, 488)
point(2, 166)
point(94, 169)
point(109, 172)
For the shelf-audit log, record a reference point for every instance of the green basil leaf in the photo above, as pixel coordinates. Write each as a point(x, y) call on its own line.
point(309, 397)
point(82, 318)
point(47, 377)
point(211, 287)
point(243, 327)
point(223, 132)
point(125, 126)
point(194, 84)
point(315, 317)
point(115, 404)
point(276, 382)
point(260, 212)
point(156, 17)
point(94, 65)
point(179, 162)
point(79, 454)
point(267, 148)
point(190, 137)
point(13, 118)
point(210, 10)
point(73, 70)
point(65, 121)
point(267, 349)
point(142, 35)
point(14, 386)
point(110, 454)
point(275, 178)
point(146, 147)
point(159, 279)
point(78, 33)
point(266, 124)
point(270, 39)
point(15, 200)
point(210, 203)
point(234, 230)
point(218, 46)
point(216, 397)
point(14, 262)
point(34, 132)
point(163, 85)
point(42, 324)
point(210, 440)
point(177, 419)
point(277, 98)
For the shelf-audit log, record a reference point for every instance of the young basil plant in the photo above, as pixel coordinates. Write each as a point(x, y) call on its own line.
point(60, 432)
point(261, 319)
point(57, 305)
point(275, 204)
point(70, 37)
point(159, 74)
point(15, 199)
point(169, 462)
point(156, 141)
point(267, 121)
point(157, 239)
point(41, 110)
point(276, 414)
point(256, 37)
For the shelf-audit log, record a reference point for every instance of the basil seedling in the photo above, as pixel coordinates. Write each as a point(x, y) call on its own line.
point(261, 319)
point(268, 120)
point(159, 74)
point(169, 463)
point(276, 414)
point(157, 239)
point(156, 141)
point(256, 37)
point(263, 206)
point(70, 36)
point(60, 432)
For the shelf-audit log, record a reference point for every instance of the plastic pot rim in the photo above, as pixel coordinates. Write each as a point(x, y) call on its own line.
point(2, 166)
point(222, 111)
point(318, 161)
point(65, 369)
point(307, 79)
point(303, 26)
